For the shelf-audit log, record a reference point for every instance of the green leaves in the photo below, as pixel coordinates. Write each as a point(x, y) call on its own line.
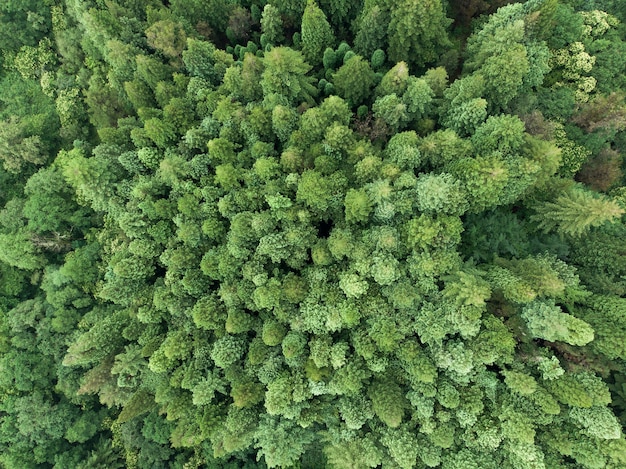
point(520, 383)
point(256, 243)
point(198, 59)
point(440, 232)
point(227, 350)
point(17, 250)
point(168, 37)
point(597, 422)
point(392, 111)
point(285, 76)
point(403, 446)
point(352, 285)
point(440, 193)
point(358, 206)
point(319, 192)
point(17, 149)
point(271, 25)
point(467, 289)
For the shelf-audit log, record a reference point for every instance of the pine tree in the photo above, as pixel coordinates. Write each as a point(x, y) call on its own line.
point(271, 25)
point(285, 77)
point(317, 34)
point(372, 32)
point(417, 32)
point(549, 322)
point(575, 212)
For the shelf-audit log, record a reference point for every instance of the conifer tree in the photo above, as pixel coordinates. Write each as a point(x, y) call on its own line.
point(264, 257)
point(574, 212)
point(417, 32)
point(285, 77)
point(272, 25)
point(317, 34)
point(372, 32)
point(354, 80)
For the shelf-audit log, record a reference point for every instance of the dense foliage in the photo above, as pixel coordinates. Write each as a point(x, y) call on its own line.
point(333, 233)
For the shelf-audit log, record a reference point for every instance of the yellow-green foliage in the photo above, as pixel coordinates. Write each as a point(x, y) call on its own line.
point(229, 240)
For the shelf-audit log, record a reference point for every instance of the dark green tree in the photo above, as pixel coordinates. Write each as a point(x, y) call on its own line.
point(354, 80)
point(417, 32)
point(317, 34)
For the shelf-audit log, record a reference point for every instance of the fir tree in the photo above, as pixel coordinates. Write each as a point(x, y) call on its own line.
point(317, 34)
point(575, 212)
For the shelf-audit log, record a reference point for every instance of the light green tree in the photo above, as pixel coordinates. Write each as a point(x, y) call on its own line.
point(548, 322)
point(575, 212)
point(372, 32)
point(285, 76)
point(272, 25)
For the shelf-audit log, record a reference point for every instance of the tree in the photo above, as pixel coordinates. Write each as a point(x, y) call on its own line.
point(417, 32)
point(358, 206)
point(495, 45)
point(575, 212)
point(281, 442)
point(240, 23)
point(387, 402)
point(215, 12)
point(356, 453)
point(418, 97)
point(284, 121)
point(199, 60)
point(485, 180)
point(239, 253)
point(50, 207)
point(19, 251)
point(272, 25)
point(372, 32)
point(549, 322)
point(317, 34)
point(168, 37)
point(291, 11)
point(440, 193)
point(607, 113)
point(33, 62)
point(464, 108)
point(340, 12)
point(392, 111)
point(502, 133)
point(394, 81)
point(17, 149)
point(402, 150)
point(24, 24)
point(285, 76)
point(354, 80)
point(608, 326)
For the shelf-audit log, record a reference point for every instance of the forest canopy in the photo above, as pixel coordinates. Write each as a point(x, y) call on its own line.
point(312, 234)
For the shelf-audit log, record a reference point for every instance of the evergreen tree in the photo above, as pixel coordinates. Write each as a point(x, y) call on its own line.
point(271, 25)
point(285, 77)
point(317, 34)
point(372, 31)
point(417, 32)
point(354, 80)
point(575, 212)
